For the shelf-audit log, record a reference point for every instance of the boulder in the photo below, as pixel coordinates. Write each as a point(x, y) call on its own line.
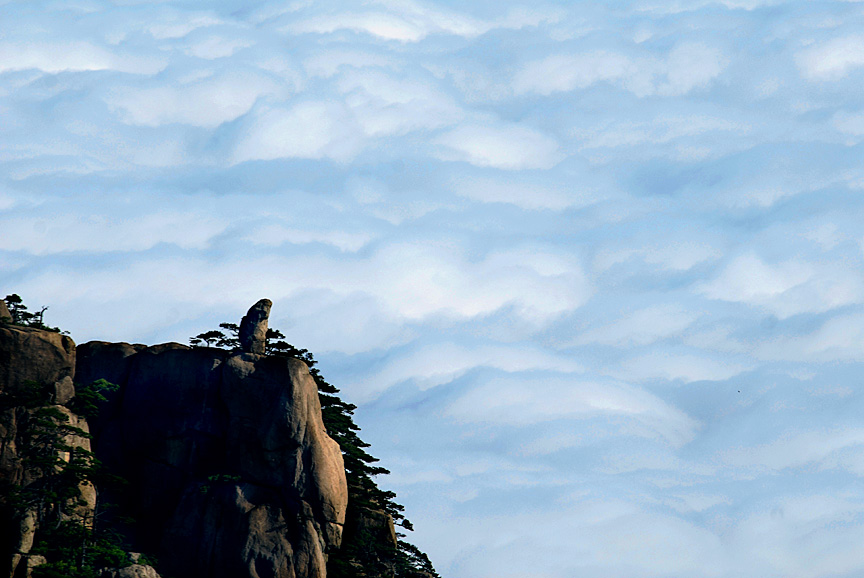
point(64, 391)
point(29, 354)
point(5, 315)
point(114, 360)
point(33, 562)
point(253, 327)
point(133, 571)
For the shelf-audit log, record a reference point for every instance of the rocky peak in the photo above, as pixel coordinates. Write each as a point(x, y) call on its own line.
point(231, 471)
point(253, 327)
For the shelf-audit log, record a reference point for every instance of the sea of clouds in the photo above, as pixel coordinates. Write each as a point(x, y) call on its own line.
point(594, 272)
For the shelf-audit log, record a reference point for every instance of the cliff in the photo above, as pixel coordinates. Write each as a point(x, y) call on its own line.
point(230, 470)
point(36, 369)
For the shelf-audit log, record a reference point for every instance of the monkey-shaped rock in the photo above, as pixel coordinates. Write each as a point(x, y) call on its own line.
point(253, 327)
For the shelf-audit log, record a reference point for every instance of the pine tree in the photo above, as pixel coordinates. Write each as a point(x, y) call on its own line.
point(21, 316)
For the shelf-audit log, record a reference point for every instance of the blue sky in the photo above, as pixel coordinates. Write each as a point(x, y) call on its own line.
point(592, 271)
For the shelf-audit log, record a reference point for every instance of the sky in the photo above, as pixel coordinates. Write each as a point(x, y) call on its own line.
point(593, 272)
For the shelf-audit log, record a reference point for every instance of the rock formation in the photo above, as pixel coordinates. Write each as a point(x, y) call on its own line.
point(253, 327)
point(134, 571)
point(34, 356)
point(28, 354)
point(231, 471)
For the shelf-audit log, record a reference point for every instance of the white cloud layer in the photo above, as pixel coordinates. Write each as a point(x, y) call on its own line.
point(832, 60)
point(592, 273)
point(411, 282)
point(685, 68)
point(49, 234)
point(787, 288)
point(55, 57)
point(205, 103)
point(503, 146)
point(411, 21)
point(307, 130)
point(442, 363)
point(534, 399)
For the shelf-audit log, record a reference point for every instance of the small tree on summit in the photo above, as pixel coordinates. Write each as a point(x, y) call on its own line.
point(21, 316)
point(234, 332)
point(210, 338)
point(17, 309)
point(272, 345)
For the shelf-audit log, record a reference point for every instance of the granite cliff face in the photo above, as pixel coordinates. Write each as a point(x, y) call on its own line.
point(33, 356)
point(231, 471)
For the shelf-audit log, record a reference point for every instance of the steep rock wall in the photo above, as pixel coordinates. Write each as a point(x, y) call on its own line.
point(47, 358)
point(232, 472)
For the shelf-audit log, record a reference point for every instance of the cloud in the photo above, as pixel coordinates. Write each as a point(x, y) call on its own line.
point(274, 235)
point(205, 103)
point(680, 256)
point(327, 63)
point(310, 130)
point(410, 21)
point(786, 288)
point(408, 282)
point(749, 279)
point(839, 338)
point(79, 55)
point(806, 535)
point(423, 280)
point(672, 366)
point(381, 24)
point(591, 537)
point(529, 399)
point(831, 60)
point(562, 73)
point(641, 327)
point(850, 123)
point(213, 47)
point(508, 146)
point(384, 105)
point(49, 234)
point(657, 131)
point(523, 193)
point(798, 449)
point(178, 25)
point(676, 252)
point(517, 236)
point(438, 364)
point(685, 68)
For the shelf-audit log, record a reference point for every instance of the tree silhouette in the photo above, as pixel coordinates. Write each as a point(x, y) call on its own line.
point(21, 316)
point(210, 338)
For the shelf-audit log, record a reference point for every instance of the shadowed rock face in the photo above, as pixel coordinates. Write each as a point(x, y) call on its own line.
point(232, 472)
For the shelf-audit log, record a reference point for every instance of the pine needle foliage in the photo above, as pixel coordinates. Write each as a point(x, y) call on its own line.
point(22, 316)
point(53, 471)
